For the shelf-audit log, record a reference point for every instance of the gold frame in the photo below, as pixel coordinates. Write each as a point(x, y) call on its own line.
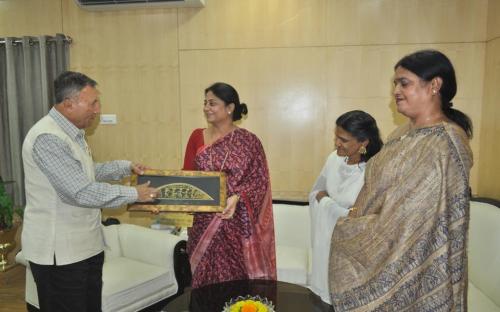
point(182, 208)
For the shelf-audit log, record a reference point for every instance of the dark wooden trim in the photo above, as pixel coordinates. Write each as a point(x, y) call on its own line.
point(487, 200)
point(290, 202)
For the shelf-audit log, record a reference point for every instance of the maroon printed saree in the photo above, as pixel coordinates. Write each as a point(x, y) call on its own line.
point(242, 247)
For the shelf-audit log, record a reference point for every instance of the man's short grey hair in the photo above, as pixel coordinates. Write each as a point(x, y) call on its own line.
point(69, 84)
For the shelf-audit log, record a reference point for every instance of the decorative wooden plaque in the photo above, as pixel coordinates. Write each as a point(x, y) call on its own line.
point(183, 191)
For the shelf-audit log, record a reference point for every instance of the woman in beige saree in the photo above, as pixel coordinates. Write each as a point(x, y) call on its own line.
point(403, 245)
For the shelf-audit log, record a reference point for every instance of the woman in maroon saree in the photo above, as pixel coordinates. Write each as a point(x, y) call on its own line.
point(238, 243)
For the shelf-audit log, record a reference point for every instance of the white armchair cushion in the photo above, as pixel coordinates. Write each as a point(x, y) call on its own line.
point(112, 242)
point(477, 301)
point(126, 282)
point(31, 295)
point(292, 225)
point(292, 264)
point(293, 243)
point(138, 268)
point(484, 251)
point(20, 258)
point(147, 245)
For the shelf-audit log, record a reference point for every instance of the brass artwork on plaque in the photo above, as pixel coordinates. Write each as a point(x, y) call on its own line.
point(183, 191)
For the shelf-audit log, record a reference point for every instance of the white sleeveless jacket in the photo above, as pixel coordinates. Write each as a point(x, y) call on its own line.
point(52, 227)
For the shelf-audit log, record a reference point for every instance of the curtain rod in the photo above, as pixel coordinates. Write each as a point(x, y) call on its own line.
point(32, 40)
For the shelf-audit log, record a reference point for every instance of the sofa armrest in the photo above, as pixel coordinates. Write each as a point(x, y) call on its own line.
point(20, 258)
point(483, 250)
point(146, 245)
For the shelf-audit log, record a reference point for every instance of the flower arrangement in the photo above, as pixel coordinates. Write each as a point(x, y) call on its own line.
point(249, 304)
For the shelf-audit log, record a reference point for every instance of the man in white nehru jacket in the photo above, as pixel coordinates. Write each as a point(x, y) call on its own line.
point(62, 237)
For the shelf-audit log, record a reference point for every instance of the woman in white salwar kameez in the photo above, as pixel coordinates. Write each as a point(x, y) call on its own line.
point(356, 140)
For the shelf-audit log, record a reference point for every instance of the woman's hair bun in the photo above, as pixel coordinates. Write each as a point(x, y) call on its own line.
point(244, 109)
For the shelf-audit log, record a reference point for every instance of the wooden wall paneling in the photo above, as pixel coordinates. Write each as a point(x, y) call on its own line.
point(257, 23)
point(469, 62)
point(414, 21)
point(493, 19)
point(489, 166)
point(30, 17)
point(360, 77)
point(297, 64)
point(133, 54)
point(285, 93)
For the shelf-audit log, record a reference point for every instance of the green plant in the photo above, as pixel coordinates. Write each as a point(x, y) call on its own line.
point(6, 209)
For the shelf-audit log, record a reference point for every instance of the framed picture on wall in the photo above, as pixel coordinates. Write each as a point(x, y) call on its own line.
point(183, 191)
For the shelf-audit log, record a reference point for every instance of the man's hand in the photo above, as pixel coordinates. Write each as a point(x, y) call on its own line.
point(320, 195)
point(138, 168)
point(146, 193)
point(228, 212)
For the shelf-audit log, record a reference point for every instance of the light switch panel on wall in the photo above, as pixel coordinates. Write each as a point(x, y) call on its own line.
point(108, 119)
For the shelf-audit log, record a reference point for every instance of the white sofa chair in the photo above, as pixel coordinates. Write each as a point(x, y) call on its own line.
point(138, 268)
point(484, 256)
point(293, 251)
point(293, 242)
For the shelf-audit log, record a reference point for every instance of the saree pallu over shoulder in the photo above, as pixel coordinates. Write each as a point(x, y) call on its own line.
point(241, 247)
point(406, 248)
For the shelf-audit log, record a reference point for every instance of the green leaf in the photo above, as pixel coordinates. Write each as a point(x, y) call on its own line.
point(6, 209)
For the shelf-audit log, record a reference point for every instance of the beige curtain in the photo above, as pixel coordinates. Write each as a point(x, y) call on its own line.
point(28, 67)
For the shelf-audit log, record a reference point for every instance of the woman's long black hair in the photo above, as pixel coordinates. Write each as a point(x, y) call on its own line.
point(429, 64)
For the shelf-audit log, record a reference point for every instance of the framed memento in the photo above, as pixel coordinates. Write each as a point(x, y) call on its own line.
point(183, 191)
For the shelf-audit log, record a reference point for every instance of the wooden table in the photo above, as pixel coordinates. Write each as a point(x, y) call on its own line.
point(286, 297)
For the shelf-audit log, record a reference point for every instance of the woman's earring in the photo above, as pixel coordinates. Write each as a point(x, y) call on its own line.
point(362, 150)
point(229, 113)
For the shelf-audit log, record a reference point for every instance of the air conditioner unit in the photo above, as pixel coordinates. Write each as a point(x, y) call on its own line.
point(128, 4)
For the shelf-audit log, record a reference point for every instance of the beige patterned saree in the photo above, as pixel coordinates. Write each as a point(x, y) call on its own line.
point(406, 248)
